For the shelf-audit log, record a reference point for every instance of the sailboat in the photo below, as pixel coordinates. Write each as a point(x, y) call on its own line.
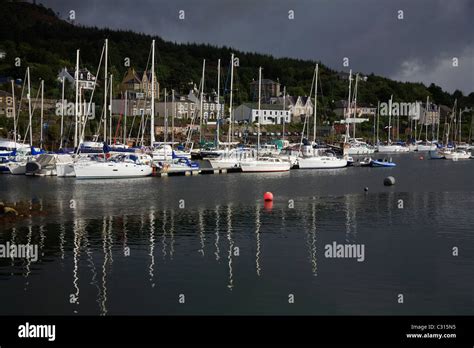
point(263, 163)
point(119, 166)
point(317, 158)
point(389, 147)
point(18, 165)
point(127, 165)
point(356, 146)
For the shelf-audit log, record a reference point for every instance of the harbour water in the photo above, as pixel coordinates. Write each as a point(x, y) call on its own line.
point(110, 247)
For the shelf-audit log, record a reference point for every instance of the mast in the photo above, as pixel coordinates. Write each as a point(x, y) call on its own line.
point(389, 119)
point(29, 107)
point(284, 112)
point(439, 121)
point(376, 125)
point(259, 106)
point(105, 89)
point(172, 115)
point(41, 116)
point(460, 124)
point(315, 102)
point(355, 106)
point(378, 116)
point(14, 113)
point(165, 133)
point(152, 121)
point(426, 117)
point(218, 101)
point(230, 136)
point(62, 113)
point(348, 107)
point(110, 110)
point(125, 120)
point(201, 100)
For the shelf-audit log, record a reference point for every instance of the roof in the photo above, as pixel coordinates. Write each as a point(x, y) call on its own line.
point(5, 93)
point(254, 106)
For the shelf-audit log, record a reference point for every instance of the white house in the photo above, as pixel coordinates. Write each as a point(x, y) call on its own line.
point(86, 78)
point(268, 114)
point(299, 106)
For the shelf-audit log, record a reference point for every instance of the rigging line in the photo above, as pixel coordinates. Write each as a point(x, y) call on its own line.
point(19, 105)
point(92, 94)
point(32, 114)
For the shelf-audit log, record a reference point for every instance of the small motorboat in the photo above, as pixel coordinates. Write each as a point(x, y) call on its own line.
point(385, 162)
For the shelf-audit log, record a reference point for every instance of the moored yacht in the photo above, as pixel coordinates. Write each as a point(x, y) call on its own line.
point(265, 164)
point(121, 166)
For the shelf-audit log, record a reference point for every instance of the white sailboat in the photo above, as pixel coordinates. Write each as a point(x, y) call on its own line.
point(313, 158)
point(389, 147)
point(121, 166)
point(130, 165)
point(264, 163)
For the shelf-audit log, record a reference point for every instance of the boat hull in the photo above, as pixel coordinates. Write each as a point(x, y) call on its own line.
point(321, 163)
point(106, 170)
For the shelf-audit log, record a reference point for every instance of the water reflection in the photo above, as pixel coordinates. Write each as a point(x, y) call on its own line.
point(83, 246)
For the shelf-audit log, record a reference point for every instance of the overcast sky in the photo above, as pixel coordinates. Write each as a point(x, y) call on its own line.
point(419, 47)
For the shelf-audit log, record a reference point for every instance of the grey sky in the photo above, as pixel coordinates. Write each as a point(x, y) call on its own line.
point(420, 47)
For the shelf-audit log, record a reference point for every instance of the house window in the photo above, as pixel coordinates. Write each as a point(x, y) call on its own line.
point(256, 112)
point(265, 113)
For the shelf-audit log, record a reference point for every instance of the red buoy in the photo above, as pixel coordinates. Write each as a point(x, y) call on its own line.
point(268, 205)
point(268, 196)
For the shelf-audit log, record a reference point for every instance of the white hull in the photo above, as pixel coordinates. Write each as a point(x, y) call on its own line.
point(65, 170)
point(225, 163)
point(258, 166)
point(111, 170)
point(455, 156)
point(17, 168)
point(423, 148)
point(321, 162)
point(392, 148)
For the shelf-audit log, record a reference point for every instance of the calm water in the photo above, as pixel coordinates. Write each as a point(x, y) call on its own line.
point(130, 247)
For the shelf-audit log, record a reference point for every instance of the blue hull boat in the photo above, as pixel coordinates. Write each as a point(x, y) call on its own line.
point(382, 163)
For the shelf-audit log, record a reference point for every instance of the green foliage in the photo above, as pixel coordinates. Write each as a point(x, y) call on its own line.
point(46, 44)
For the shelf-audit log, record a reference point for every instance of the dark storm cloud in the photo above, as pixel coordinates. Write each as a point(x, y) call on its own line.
point(418, 48)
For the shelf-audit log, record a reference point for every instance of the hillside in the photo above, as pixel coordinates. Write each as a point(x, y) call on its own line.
point(47, 43)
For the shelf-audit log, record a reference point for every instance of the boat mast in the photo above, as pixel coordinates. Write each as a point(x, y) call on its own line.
point(105, 89)
point(29, 107)
point(230, 136)
point(201, 100)
point(165, 133)
point(315, 102)
point(110, 110)
point(218, 101)
point(259, 106)
point(62, 112)
point(14, 113)
point(284, 112)
point(125, 120)
point(378, 121)
point(348, 107)
point(389, 119)
point(152, 121)
point(41, 115)
point(355, 106)
point(173, 105)
point(426, 118)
